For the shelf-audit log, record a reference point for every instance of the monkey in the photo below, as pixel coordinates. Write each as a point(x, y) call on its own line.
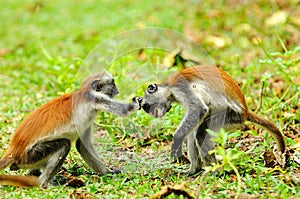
point(44, 138)
point(213, 101)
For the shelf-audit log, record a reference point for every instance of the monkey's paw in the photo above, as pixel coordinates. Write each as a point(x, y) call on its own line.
point(181, 160)
point(137, 102)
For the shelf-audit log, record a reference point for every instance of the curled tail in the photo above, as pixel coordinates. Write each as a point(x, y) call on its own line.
point(252, 117)
point(20, 181)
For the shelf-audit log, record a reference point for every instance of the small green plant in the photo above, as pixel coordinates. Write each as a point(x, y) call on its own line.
point(231, 158)
point(285, 62)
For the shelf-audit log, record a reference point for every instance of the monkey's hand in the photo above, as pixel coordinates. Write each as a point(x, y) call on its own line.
point(137, 103)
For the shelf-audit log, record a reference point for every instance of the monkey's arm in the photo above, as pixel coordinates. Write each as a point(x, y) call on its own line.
point(105, 103)
point(193, 118)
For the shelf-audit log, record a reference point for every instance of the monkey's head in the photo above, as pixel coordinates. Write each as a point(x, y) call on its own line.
point(157, 100)
point(102, 83)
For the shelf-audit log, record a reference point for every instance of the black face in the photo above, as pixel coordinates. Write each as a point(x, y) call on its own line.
point(157, 100)
point(156, 109)
point(146, 107)
point(107, 87)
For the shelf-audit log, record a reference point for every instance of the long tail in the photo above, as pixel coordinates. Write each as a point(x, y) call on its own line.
point(20, 181)
point(271, 127)
point(15, 180)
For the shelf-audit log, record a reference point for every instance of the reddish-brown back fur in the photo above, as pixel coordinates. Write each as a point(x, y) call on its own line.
point(216, 78)
point(220, 81)
point(39, 123)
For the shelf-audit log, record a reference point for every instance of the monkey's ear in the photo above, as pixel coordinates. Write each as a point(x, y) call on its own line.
point(96, 86)
point(152, 88)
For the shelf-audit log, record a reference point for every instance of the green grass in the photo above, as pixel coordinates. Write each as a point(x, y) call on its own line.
point(44, 43)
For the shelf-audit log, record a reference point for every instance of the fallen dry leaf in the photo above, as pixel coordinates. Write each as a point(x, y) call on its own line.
point(295, 20)
point(77, 194)
point(176, 189)
point(296, 147)
point(217, 41)
point(274, 158)
point(277, 18)
point(67, 179)
point(4, 52)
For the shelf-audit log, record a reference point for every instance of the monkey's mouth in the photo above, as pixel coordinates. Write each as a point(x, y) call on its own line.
point(156, 110)
point(146, 107)
point(112, 94)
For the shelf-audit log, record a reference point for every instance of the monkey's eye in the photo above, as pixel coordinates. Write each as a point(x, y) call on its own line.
point(152, 88)
point(96, 85)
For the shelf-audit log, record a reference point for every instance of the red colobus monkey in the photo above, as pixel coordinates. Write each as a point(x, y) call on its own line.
point(43, 140)
point(213, 101)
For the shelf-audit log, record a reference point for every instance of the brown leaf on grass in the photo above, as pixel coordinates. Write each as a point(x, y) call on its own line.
point(217, 41)
point(78, 194)
point(294, 152)
point(276, 19)
point(269, 159)
point(248, 196)
point(296, 159)
point(247, 141)
point(295, 20)
point(72, 181)
point(4, 52)
point(214, 13)
point(282, 3)
point(296, 147)
point(278, 85)
point(176, 189)
point(233, 177)
point(272, 159)
point(75, 182)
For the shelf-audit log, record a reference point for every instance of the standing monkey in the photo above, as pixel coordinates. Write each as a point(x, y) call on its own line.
point(43, 140)
point(213, 101)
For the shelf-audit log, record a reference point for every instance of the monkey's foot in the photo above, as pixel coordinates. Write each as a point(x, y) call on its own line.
point(181, 160)
point(116, 171)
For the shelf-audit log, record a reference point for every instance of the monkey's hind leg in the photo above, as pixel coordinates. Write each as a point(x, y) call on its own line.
point(205, 144)
point(193, 154)
point(50, 155)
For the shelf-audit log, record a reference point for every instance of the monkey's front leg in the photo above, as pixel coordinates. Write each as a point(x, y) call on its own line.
point(190, 122)
point(88, 153)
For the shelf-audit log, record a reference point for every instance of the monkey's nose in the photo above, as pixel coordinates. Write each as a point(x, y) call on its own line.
point(117, 91)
